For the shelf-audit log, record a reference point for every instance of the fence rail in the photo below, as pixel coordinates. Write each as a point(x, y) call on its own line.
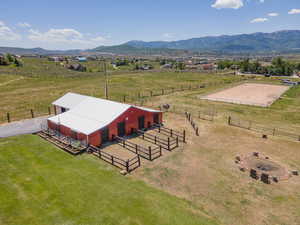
point(251, 125)
point(168, 144)
point(146, 153)
point(170, 132)
point(128, 165)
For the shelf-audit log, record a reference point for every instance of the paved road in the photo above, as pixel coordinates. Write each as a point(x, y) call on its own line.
point(22, 127)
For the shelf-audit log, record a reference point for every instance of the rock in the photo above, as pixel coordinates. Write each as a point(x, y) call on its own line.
point(275, 179)
point(265, 178)
point(253, 174)
point(256, 154)
point(123, 172)
point(265, 136)
point(238, 158)
point(295, 173)
point(242, 169)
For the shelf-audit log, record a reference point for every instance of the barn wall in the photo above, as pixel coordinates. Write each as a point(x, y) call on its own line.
point(95, 138)
point(131, 120)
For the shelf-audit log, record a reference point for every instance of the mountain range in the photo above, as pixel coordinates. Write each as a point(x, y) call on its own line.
point(279, 42)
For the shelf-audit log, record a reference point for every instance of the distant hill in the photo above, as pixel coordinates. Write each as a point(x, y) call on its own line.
point(278, 42)
point(127, 49)
point(288, 40)
point(37, 51)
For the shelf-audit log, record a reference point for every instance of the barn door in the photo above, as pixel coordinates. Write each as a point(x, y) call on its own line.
point(156, 118)
point(141, 121)
point(105, 134)
point(121, 129)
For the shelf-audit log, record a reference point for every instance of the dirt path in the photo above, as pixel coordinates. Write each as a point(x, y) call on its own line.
point(11, 81)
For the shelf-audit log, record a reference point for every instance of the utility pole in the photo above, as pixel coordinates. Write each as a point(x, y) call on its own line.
point(106, 80)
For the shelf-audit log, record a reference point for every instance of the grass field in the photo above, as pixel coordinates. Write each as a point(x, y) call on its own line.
point(42, 185)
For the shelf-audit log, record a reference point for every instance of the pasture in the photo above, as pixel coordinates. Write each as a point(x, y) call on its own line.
point(197, 183)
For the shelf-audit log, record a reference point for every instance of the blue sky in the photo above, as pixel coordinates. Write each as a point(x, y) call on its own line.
point(65, 24)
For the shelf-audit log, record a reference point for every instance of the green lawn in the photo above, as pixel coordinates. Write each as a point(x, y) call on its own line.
point(41, 185)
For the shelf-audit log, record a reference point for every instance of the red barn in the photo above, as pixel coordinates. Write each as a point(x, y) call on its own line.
point(98, 120)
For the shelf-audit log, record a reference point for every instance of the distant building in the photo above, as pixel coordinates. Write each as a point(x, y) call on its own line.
point(81, 59)
point(207, 66)
point(167, 66)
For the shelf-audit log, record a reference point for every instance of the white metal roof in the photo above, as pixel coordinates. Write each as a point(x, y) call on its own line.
point(89, 114)
point(69, 100)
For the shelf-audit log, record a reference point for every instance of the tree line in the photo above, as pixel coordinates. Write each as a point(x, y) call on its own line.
point(278, 67)
point(9, 59)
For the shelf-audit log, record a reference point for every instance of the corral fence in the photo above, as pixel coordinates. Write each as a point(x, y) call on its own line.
point(167, 144)
point(251, 125)
point(192, 122)
point(149, 153)
point(7, 117)
point(141, 96)
point(170, 132)
point(206, 114)
point(128, 165)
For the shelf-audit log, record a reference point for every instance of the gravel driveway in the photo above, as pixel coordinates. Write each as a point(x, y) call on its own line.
point(22, 127)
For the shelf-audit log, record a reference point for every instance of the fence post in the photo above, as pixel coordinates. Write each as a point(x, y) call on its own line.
point(155, 139)
point(8, 117)
point(112, 160)
point(274, 132)
point(184, 136)
point(158, 129)
point(177, 142)
point(197, 131)
point(124, 145)
point(162, 92)
point(55, 113)
point(171, 132)
point(160, 148)
point(32, 114)
point(229, 120)
point(168, 143)
point(127, 166)
point(136, 149)
point(139, 160)
point(49, 110)
point(124, 98)
point(151, 93)
point(150, 153)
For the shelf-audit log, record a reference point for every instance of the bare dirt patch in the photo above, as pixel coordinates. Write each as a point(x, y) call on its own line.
point(249, 94)
point(203, 171)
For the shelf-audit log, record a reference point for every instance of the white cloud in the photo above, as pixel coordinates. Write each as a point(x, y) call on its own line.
point(24, 25)
point(231, 4)
point(294, 11)
point(259, 20)
point(7, 34)
point(273, 14)
point(66, 37)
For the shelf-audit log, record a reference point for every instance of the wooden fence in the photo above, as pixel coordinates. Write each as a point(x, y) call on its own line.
point(168, 144)
point(128, 165)
point(171, 132)
point(146, 153)
point(251, 125)
point(7, 117)
point(194, 125)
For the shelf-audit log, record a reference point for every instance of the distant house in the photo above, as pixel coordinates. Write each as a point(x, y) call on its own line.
point(99, 120)
point(207, 66)
point(81, 59)
point(167, 66)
